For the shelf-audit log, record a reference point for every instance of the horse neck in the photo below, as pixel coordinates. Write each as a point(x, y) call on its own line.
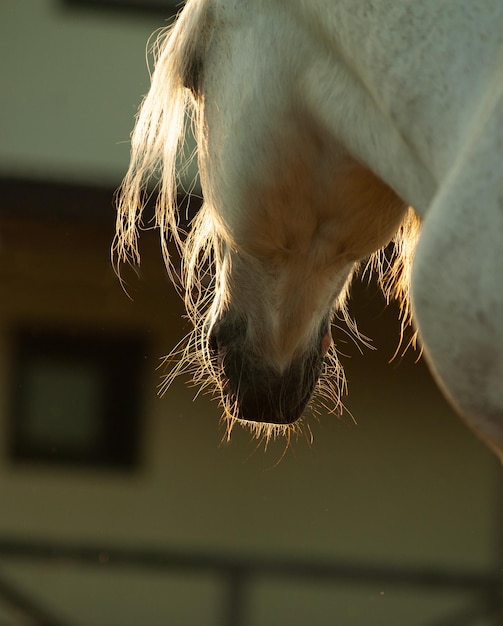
point(398, 87)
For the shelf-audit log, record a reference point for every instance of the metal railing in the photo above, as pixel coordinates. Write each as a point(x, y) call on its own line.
point(238, 571)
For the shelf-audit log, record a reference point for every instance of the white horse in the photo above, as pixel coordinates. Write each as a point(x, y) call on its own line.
point(319, 122)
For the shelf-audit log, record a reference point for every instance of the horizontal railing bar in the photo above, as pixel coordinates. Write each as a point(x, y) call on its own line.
point(250, 566)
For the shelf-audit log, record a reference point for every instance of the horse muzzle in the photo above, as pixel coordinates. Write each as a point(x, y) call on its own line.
point(255, 389)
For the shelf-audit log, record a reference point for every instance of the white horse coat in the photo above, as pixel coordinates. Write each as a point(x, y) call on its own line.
point(318, 122)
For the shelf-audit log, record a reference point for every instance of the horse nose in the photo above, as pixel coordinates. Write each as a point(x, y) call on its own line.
point(258, 392)
point(272, 402)
point(263, 394)
point(256, 389)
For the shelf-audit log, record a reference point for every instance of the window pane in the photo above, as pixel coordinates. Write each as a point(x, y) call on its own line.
point(63, 404)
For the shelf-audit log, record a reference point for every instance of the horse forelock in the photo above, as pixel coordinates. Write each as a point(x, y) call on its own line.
point(156, 143)
point(159, 134)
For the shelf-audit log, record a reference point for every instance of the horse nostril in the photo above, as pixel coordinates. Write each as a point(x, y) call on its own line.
point(326, 342)
point(216, 349)
point(213, 342)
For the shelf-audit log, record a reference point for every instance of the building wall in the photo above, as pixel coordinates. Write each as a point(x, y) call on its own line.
point(72, 80)
point(407, 485)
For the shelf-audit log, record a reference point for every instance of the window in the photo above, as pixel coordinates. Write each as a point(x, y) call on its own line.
point(76, 398)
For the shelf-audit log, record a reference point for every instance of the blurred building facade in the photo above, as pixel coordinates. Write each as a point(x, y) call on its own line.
point(118, 507)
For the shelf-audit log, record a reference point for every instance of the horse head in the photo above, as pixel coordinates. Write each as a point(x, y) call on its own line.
point(288, 212)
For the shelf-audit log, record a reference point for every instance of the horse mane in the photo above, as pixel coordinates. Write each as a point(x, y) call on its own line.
point(156, 143)
point(158, 137)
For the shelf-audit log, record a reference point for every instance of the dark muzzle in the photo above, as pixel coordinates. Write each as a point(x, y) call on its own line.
point(260, 392)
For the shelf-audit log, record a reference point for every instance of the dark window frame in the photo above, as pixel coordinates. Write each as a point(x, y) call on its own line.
point(118, 359)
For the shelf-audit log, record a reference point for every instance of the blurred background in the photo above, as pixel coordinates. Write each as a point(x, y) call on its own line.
point(120, 508)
